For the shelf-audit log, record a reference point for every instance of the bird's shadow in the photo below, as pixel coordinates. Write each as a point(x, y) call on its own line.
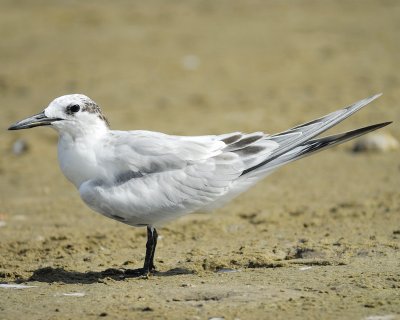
point(51, 275)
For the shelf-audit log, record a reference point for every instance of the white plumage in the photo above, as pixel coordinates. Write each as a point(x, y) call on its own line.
point(145, 178)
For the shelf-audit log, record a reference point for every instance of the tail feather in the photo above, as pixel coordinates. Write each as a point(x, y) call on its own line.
point(316, 145)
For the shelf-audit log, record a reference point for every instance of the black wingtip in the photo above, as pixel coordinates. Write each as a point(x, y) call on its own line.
point(313, 146)
point(330, 141)
point(346, 136)
point(386, 123)
point(380, 125)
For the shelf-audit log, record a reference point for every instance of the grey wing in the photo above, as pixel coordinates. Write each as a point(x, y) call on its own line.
point(160, 177)
point(153, 199)
point(296, 136)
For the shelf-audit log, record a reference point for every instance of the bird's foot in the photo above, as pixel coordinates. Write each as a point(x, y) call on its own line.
point(142, 273)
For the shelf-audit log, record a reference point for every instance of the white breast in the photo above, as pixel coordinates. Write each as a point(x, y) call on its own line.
point(78, 160)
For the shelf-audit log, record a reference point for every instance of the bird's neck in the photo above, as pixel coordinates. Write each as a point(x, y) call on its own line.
point(82, 133)
point(79, 155)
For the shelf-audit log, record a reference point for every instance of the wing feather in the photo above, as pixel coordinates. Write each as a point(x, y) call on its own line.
point(295, 136)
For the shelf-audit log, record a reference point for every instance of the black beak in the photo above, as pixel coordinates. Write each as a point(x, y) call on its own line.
point(37, 120)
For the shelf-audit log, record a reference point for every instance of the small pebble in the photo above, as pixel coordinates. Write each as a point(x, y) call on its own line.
point(74, 294)
point(305, 268)
point(15, 286)
point(376, 142)
point(190, 62)
point(227, 270)
point(39, 238)
point(19, 147)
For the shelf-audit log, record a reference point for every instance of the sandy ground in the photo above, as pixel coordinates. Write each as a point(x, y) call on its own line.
point(317, 240)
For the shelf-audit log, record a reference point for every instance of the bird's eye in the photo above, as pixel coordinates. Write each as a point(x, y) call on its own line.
point(74, 108)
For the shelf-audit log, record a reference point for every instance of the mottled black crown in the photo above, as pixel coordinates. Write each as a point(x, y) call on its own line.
point(91, 107)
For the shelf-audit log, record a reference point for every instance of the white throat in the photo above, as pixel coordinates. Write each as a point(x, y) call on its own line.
point(79, 153)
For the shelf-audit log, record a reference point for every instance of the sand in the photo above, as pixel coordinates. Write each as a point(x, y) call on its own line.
point(318, 239)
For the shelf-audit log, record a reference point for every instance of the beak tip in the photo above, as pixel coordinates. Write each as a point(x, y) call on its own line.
point(37, 120)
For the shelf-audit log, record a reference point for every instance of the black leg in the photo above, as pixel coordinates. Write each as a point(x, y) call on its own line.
point(155, 236)
point(150, 250)
point(148, 266)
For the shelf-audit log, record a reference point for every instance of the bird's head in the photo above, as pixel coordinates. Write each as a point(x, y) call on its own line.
point(71, 113)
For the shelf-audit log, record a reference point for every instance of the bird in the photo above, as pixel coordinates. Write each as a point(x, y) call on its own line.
point(145, 178)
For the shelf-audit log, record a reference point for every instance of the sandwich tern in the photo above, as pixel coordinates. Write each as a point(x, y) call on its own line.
point(145, 178)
